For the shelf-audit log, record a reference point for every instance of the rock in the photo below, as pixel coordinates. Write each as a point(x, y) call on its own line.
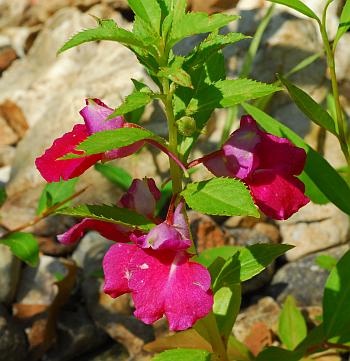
point(7, 154)
point(112, 353)
point(51, 247)
point(212, 6)
point(5, 175)
point(205, 232)
point(76, 335)
point(10, 269)
point(13, 344)
point(112, 315)
point(7, 134)
point(313, 228)
point(7, 56)
point(303, 279)
point(266, 311)
point(241, 221)
point(14, 117)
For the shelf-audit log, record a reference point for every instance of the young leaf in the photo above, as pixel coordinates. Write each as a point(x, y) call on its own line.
point(112, 214)
point(331, 184)
point(326, 262)
point(249, 262)
point(238, 351)
point(24, 246)
point(336, 300)
point(344, 23)
point(176, 73)
point(309, 107)
point(197, 23)
point(227, 302)
point(292, 326)
point(298, 6)
point(220, 196)
point(3, 195)
point(149, 11)
point(183, 354)
point(56, 192)
point(115, 174)
point(134, 101)
point(208, 256)
point(226, 93)
point(106, 30)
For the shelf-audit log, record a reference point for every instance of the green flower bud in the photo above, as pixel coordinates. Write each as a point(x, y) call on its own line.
point(186, 126)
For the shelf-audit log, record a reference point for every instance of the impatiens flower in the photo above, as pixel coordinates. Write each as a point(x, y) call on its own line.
point(162, 280)
point(141, 197)
point(95, 113)
point(266, 163)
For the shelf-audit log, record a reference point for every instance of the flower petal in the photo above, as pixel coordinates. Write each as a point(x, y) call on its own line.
point(108, 230)
point(166, 282)
point(141, 197)
point(116, 268)
point(277, 195)
point(52, 169)
point(180, 222)
point(95, 114)
point(217, 164)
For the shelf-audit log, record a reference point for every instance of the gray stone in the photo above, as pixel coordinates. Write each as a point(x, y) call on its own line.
point(313, 228)
point(10, 269)
point(303, 279)
point(76, 335)
point(112, 353)
point(13, 343)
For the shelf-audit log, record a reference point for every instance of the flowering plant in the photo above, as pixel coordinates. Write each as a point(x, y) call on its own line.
point(262, 166)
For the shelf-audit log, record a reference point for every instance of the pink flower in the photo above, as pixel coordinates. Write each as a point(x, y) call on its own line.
point(160, 276)
point(95, 113)
point(141, 197)
point(266, 163)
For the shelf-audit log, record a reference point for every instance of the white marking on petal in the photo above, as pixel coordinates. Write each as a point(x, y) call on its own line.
point(127, 274)
point(144, 266)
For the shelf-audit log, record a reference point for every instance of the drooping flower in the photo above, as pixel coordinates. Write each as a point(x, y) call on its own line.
point(141, 197)
point(160, 276)
point(266, 163)
point(95, 113)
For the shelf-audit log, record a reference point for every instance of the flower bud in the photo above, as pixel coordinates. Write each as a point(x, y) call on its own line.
point(186, 126)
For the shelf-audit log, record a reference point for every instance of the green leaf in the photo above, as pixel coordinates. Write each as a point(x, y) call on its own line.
point(3, 195)
point(208, 256)
point(111, 214)
point(249, 262)
point(344, 25)
point(212, 44)
point(277, 354)
point(24, 246)
point(227, 302)
point(309, 107)
point(226, 93)
point(314, 337)
point(149, 11)
point(134, 101)
point(336, 300)
point(111, 139)
point(292, 326)
point(197, 23)
point(298, 6)
point(176, 73)
point(106, 30)
point(220, 196)
point(56, 192)
point(331, 184)
point(115, 174)
point(238, 351)
point(183, 354)
point(325, 261)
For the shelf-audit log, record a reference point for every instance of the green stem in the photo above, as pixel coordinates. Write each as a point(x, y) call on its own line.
point(331, 65)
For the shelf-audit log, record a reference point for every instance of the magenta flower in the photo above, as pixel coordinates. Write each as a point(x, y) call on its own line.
point(267, 164)
point(160, 276)
point(95, 113)
point(140, 197)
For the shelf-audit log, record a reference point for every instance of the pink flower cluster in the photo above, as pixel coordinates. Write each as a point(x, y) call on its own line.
point(155, 268)
point(267, 164)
